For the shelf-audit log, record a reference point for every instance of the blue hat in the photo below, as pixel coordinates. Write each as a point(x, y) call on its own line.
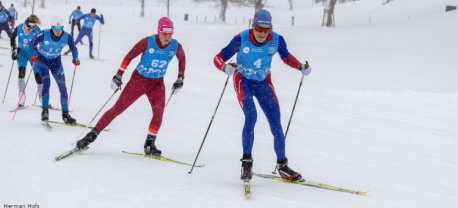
point(262, 16)
point(78, 7)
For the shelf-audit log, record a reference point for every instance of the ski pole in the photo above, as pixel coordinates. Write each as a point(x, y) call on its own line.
point(22, 93)
point(71, 88)
point(209, 125)
point(36, 95)
point(117, 89)
point(292, 113)
point(100, 34)
point(173, 91)
point(9, 77)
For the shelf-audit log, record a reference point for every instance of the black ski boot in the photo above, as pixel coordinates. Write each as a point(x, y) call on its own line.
point(91, 56)
point(67, 118)
point(286, 172)
point(45, 114)
point(89, 138)
point(247, 167)
point(150, 147)
point(67, 52)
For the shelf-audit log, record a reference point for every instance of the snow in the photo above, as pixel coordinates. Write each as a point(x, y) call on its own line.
point(378, 112)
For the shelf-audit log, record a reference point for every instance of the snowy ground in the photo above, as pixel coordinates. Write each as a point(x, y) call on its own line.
point(379, 112)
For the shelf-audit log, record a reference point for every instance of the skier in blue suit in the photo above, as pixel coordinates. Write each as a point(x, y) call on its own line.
point(255, 48)
point(5, 17)
point(22, 52)
point(48, 62)
point(89, 21)
point(72, 19)
point(13, 13)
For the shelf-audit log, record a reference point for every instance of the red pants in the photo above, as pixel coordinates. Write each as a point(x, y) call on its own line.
point(137, 86)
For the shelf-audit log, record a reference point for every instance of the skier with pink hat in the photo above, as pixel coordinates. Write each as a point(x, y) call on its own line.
point(147, 79)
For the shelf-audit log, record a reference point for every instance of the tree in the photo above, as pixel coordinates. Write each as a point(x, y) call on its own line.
point(259, 5)
point(328, 14)
point(222, 13)
point(42, 5)
point(142, 10)
point(290, 5)
point(168, 8)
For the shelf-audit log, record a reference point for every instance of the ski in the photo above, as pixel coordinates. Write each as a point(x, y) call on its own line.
point(50, 107)
point(161, 158)
point(246, 183)
point(71, 152)
point(75, 125)
point(46, 124)
point(310, 183)
point(20, 108)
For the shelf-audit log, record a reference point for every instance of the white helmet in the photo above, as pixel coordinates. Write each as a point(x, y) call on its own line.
point(57, 20)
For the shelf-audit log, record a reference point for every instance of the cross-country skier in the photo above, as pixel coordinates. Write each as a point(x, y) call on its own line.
point(148, 79)
point(48, 62)
point(14, 14)
point(89, 21)
point(22, 52)
point(255, 48)
point(4, 19)
point(72, 19)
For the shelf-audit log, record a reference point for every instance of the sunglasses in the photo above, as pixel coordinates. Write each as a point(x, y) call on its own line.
point(31, 25)
point(58, 27)
point(262, 29)
point(166, 30)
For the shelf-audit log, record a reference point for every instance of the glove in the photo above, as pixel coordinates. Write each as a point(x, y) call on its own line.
point(101, 16)
point(305, 68)
point(177, 85)
point(230, 68)
point(116, 82)
point(69, 22)
point(13, 54)
point(76, 62)
point(34, 59)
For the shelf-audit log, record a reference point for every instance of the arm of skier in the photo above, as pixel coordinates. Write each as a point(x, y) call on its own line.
point(139, 48)
point(35, 40)
point(81, 17)
point(286, 56)
point(73, 48)
point(227, 52)
point(181, 61)
point(13, 39)
point(70, 17)
point(101, 20)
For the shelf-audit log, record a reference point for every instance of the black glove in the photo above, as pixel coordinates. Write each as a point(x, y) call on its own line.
point(13, 54)
point(101, 16)
point(116, 82)
point(177, 85)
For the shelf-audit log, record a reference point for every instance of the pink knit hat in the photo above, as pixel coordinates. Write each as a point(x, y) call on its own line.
point(165, 25)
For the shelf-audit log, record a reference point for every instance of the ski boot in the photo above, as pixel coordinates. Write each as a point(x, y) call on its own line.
point(247, 167)
point(67, 118)
point(21, 105)
point(286, 172)
point(67, 52)
point(91, 56)
point(89, 138)
point(150, 147)
point(45, 114)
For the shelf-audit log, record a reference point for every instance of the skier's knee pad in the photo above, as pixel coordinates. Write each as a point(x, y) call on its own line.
point(38, 78)
point(21, 72)
point(91, 44)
